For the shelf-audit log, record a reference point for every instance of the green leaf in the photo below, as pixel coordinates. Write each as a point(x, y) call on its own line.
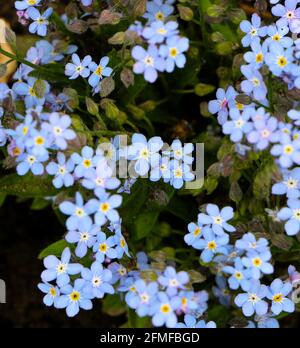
point(144, 224)
point(113, 306)
point(27, 186)
point(203, 89)
point(54, 249)
point(39, 203)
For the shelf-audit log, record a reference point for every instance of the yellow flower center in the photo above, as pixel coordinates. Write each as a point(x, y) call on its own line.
point(79, 212)
point(259, 58)
point(104, 207)
point(173, 52)
point(288, 149)
point(278, 298)
point(122, 243)
point(159, 16)
point(276, 37)
point(87, 163)
point(16, 151)
point(161, 31)
point(52, 292)
point(239, 106)
point(256, 262)
point(103, 247)
point(165, 308)
point(62, 170)
point(31, 92)
point(197, 231)
point(39, 140)
point(212, 245)
point(61, 268)
point(75, 296)
point(25, 130)
point(282, 61)
point(99, 70)
point(238, 275)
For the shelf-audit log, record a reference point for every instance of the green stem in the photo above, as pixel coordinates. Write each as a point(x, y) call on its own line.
point(20, 60)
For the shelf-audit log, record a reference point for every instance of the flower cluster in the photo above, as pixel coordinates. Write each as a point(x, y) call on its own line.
point(86, 68)
point(240, 266)
point(166, 47)
point(253, 125)
point(27, 10)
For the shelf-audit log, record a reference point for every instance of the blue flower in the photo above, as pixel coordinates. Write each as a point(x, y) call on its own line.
point(266, 322)
point(173, 52)
point(101, 177)
point(294, 115)
point(252, 301)
point(163, 310)
point(288, 152)
point(290, 185)
point(195, 232)
point(84, 237)
point(257, 56)
point(62, 171)
point(29, 162)
point(288, 13)
point(158, 31)
point(254, 83)
point(180, 173)
point(60, 269)
point(121, 246)
point(104, 247)
point(77, 67)
point(173, 281)
point(98, 281)
point(74, 298)
point(240, 277)
point(217, 219)
point(294, 275)
point(253, 30)
point(99, 71)
point(41, 22)
point(144, 152)
point(85, 163)
point(52, 293)
point(182, 152)
point(291, 214)
point(105, 206)
point(118, 272)
point(264, 132)
point(249, 243)
point(38, 142)
point(224, 100)
point(79, 213)
point(211, 245)
point(161, 170)
point(257, 263)
point(158, 10)
point(86, 2)
point(25, 4)
point(148, 62)
point(221, 291)
point(189, 303)
point(278, 34)
point(278, 292)
point(191, 322)
point(279, 59)
point(27, 90)
point(238, 125)
point(58, 126)
point(143, 298)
